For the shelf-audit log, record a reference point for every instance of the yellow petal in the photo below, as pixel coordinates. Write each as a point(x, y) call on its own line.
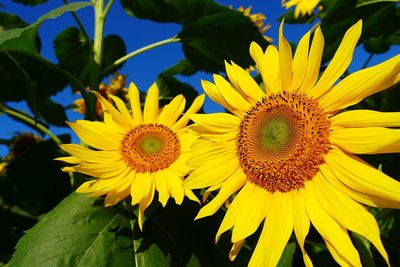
point(348, 213)
point(272, 78)
point(231, 96)
point(285, 60)
point(300, 62)
point(161, 187)
point(89, 155)
point(235, 249)
point(171, 112)
point(230, 186)
point(215, 171)
point(247, 85)
point(301, 223)
point(191, 196)
point(116, 115)
point(140, 187)
point(361, 177)
point(150, 113)
point(102, 170)
point(70, 160)
point(361, 84)
point(278, 227)
point(367, 199)
point(96, 134)
point(258, 257)
point(203, 152)
point(177, 192)
point(114, 198)
point(186, 139)
point(196, 106)
point(144, 203)
point(335, 236)
point(366, 118)
point(366, 140)
point(314, 61)
point(340, 61)
point(253, 204)
point(134, 98)
point(124, 111)
point(217, 122)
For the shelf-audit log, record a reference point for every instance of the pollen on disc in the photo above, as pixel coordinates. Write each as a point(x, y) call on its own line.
point(282, 140)
point(150, 147)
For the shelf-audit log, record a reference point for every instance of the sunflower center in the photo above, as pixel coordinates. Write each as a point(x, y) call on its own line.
point(150, 147)
point(282, 140)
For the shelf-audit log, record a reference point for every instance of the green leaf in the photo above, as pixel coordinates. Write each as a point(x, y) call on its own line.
point(33, 173)
point(210, 40)
point(52, 112)
point(286, 259)
point(17, 33)
point(10, 21)
point(25, 77)
point(113, 49)
point(30, 2)
point(364, 248)
point(76, 233)
point(183, 67)
point(170, 87)
point(157, 10)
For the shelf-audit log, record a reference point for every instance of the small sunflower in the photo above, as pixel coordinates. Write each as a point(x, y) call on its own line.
point(303, 7)
point(135, 154)
point(286, 153)
point(258, 19)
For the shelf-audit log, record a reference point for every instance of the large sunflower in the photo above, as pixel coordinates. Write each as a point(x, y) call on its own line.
point(135, 154)
point(289, 152)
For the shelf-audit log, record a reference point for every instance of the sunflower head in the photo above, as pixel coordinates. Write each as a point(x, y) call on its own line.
point(302, 7)
point(286, 153)
point(133, 152)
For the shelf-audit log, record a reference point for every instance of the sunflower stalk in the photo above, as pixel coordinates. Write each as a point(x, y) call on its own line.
point(121, 60)
point(28, 120)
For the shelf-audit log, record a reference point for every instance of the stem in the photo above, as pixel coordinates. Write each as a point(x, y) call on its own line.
point(99, 19)
point(139, 51)
point(368, 60)
point(29, 121)
point(109, 4)
point(81, 27)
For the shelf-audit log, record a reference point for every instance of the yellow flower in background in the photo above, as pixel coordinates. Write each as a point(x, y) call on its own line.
point(303, 7)
point(137, 153)
point(116, 87)
point(287, 153)
point(258, 19)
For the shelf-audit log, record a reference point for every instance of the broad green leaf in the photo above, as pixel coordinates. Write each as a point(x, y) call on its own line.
point(157, 10)
point(210, 40)
point(17, 32)
point(170, 87)
point(32, 173)
point(73, 53)
point(30, 2)
point(52, 112)
point(81, 232)
point(183, 67)
point(10, 21)
point(24, 77)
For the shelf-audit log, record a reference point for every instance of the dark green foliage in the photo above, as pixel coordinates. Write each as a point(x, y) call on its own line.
point(30, 2)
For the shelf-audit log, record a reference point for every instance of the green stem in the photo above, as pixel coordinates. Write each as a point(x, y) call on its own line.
point(368, 60)
point(99, 19)
point(109, 4)
point(139, 51)
point(29, 121)
point(81, 27)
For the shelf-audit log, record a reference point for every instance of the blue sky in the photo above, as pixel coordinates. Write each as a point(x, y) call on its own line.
point(144, 69)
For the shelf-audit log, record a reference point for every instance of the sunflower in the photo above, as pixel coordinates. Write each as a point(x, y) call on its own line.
point(303, 7)
point(286, 153)
point(135, 154)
